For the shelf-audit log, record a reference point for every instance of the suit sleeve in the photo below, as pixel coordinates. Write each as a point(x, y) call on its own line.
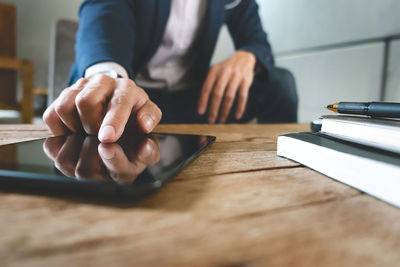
point(106, 33)
point(245, 27)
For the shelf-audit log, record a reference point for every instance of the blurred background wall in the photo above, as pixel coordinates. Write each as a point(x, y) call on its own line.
point(337, 50)
point(34, 21)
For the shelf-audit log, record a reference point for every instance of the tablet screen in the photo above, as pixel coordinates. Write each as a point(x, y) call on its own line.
point(136, 162)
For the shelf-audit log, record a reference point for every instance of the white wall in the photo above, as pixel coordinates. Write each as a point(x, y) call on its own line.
point(343, 74)
point(392, 93)
point(298, 24)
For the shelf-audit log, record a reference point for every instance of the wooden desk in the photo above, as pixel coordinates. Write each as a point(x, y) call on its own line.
point(237, 204)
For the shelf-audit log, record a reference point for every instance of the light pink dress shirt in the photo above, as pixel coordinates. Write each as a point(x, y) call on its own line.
point(168, 66)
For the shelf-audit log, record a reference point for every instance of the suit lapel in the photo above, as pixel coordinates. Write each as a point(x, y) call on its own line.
point(214, 19)
point(163, 8)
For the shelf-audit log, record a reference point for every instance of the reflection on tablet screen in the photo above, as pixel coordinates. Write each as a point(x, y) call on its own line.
point(135, 161)
point(84, 157)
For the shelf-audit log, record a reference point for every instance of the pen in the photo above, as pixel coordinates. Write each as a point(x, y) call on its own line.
point(373, 109)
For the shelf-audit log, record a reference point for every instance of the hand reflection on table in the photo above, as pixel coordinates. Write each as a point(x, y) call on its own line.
point(84, 157)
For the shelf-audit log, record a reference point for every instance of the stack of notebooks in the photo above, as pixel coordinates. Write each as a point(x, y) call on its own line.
point(359, 151)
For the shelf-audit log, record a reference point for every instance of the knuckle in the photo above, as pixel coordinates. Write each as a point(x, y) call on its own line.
point(141, 100)
point(142, 94)
point(62, 106)
point(229, 97)
point(130, 89)
point(59, 108)
point(131, 83)
point(205, 91)
point(65, 93)
point(50, 117)
point(228, 70)
point(121, 99)
point(217, 94)
point(214, 68)
point(243, 95)
point(248, 80)
point(78, 85)
point(47, 116)
point(236, 72)
point(84, 100)
point(127, 83)
point(102, 78)
point(94, 85)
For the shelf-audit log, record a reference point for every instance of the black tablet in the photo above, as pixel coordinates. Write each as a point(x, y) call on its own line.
point(79, 166)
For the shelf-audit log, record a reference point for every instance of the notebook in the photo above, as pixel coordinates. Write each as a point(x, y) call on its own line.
point(379, 133)
point(373, 171)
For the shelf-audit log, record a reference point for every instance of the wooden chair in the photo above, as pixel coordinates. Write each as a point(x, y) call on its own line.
point(10, 65)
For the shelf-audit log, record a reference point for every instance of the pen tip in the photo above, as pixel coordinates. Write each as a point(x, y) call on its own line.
point(332, 107)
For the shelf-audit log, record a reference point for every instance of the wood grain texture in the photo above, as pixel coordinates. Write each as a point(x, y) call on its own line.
point(22, 132)
point(255, 133)
point(236, 204)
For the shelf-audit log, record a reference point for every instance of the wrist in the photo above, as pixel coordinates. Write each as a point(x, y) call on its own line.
point(248, 57)
point(109, 73)
point(108, 68)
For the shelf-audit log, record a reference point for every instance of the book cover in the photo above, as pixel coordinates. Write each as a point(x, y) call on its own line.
point(379, 133)
point(374, 171)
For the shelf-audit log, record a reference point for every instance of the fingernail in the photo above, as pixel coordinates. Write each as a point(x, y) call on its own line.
point(201, 111)
point(106, 133)
point(106, 153)
point(211, 120)
point(148, 123)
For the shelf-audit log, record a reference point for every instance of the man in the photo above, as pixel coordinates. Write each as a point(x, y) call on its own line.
point(142, 58)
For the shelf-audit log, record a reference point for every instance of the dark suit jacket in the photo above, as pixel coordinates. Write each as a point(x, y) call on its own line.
point(129, 32)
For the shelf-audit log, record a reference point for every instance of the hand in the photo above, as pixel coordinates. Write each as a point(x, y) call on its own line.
point(224, 81)
point(84, 157)
point(103, 105)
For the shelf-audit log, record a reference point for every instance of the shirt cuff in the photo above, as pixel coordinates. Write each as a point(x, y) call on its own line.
point(106, 66)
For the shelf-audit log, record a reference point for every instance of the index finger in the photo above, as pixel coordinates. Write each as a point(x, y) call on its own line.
point(126, 98)
point(206, 91)
point(242, 98)
point(119, 167)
